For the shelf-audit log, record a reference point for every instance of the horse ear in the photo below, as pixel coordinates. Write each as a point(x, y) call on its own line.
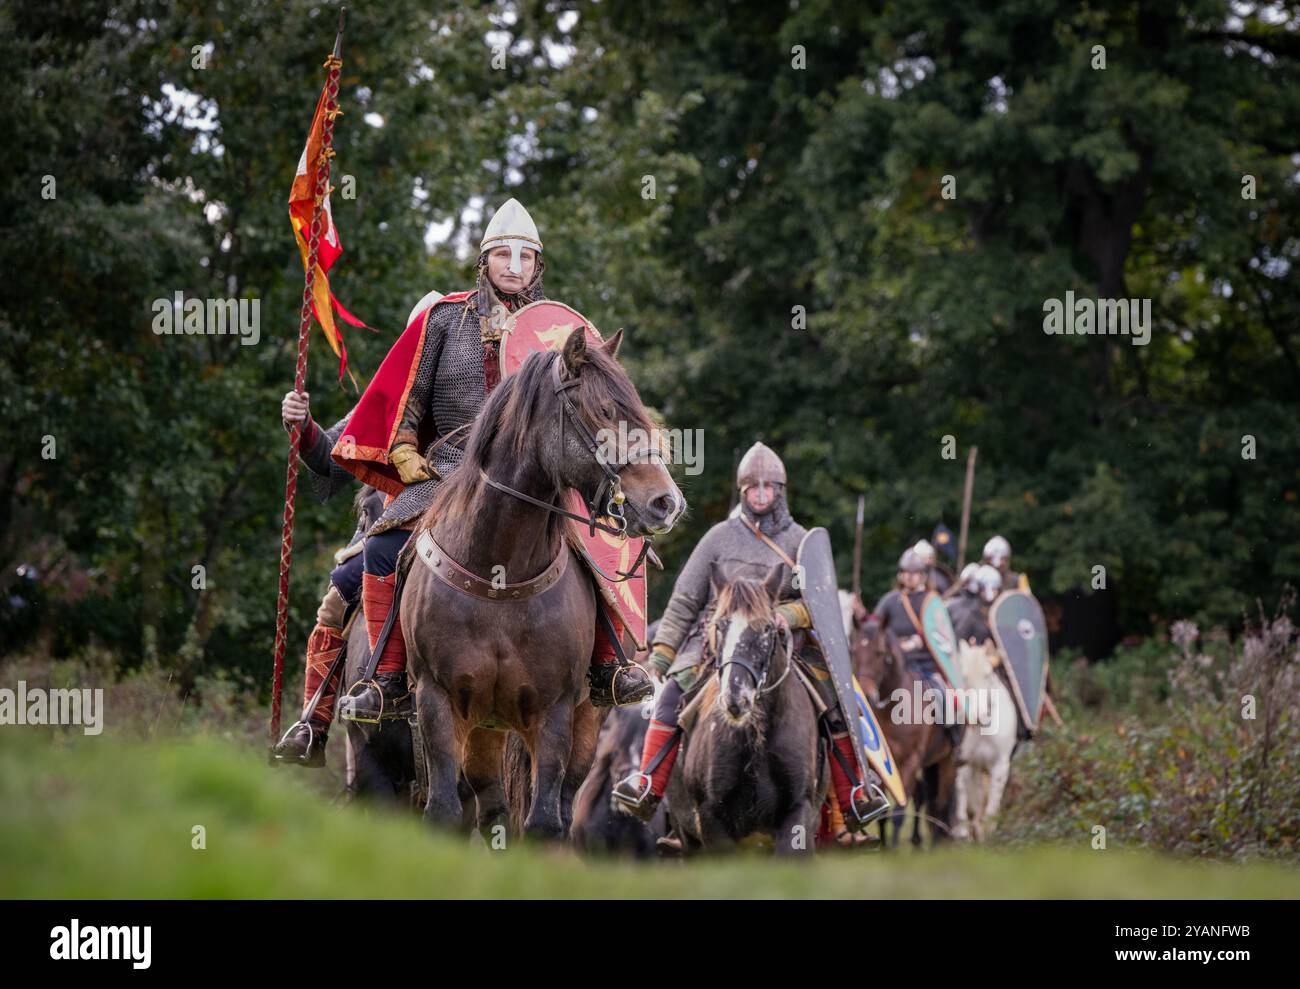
point(575, 350)
point(716, 581)
point(611, 345)
point(774, 581)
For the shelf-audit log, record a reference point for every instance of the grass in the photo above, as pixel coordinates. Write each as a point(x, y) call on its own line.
point(93, 818)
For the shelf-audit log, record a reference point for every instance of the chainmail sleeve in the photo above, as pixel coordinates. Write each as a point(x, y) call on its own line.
point(690, 593)
point(418, 400)
point(327, 477)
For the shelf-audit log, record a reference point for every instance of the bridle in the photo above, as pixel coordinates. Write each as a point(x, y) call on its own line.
point(611, 482)
point(760, 680)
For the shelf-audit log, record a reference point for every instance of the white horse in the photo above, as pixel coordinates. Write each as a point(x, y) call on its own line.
point(985, 759)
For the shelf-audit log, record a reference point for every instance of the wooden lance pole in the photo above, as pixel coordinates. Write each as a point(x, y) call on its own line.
point(857, 546)
point(332, 64)
point(965, 507)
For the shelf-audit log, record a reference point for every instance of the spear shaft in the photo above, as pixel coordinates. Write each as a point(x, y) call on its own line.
point(333, 64)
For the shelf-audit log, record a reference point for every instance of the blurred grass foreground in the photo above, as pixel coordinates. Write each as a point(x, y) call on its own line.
point(108, 819)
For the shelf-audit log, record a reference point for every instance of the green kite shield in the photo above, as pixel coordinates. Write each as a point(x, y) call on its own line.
point(821, 596)
point(1021, 633)
point(940, 639)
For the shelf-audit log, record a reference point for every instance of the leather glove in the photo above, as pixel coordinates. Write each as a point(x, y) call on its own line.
point(795, 613)
point(660, 661)
point(411, 467)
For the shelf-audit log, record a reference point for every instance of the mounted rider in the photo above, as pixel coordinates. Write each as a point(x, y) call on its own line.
point(936, 578)
point(997, 554)
point(899, 611)
point(972, 623)
point(964, 595)
point(762, 534)
point(404, 436)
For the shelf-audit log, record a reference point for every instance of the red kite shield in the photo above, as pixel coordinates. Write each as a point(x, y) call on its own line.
point(541, 327)
point(538, 328)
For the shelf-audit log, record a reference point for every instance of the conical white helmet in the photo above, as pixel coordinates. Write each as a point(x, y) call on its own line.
point(996, 550)
point(513, 227)
point(989, 581)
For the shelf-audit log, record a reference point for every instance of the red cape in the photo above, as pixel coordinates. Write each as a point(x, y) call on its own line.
point(363, 447)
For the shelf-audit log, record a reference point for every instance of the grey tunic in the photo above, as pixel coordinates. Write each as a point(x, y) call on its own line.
point(728, 550)
point(894, 618)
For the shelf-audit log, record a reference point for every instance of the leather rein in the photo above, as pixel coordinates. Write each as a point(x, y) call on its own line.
point(462, 580)
point(611, 482)
point(783, 631)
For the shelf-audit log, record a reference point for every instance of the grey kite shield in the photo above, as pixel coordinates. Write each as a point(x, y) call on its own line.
point(821, 596)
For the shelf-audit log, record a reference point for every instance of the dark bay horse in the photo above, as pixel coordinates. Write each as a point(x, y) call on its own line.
point(500, 637)
point(926, 761)
point(752, 764)
point(597, 826)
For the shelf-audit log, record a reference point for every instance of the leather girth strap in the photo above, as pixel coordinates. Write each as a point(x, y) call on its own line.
point(454, 575)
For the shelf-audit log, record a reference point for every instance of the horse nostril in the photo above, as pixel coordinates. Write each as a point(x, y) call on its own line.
point(664, 505)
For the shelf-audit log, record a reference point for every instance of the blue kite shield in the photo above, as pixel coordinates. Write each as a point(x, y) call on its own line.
point(876, 748)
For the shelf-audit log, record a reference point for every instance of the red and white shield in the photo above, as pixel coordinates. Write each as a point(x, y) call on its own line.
point(538, 328)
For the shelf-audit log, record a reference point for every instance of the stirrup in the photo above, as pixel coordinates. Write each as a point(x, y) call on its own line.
point(400, 710)
point(628, 801)
point(613, 685)
point(347, 710)
point(313, 737)
point(873, 791)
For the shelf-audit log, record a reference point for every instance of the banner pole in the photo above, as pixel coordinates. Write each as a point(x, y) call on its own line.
point(333, 64)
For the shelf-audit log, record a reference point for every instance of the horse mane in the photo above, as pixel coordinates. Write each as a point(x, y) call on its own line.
point(747, 598)
point(511, 414)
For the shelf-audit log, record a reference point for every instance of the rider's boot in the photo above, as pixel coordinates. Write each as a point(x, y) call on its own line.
point(368, 701)
point(304, 742)
point(641, 792)
point(836, 830)
point(613, 683)
point(861, 801)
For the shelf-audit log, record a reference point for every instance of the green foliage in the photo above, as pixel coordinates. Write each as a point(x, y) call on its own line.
point(1194, 754)
point(776, 188)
